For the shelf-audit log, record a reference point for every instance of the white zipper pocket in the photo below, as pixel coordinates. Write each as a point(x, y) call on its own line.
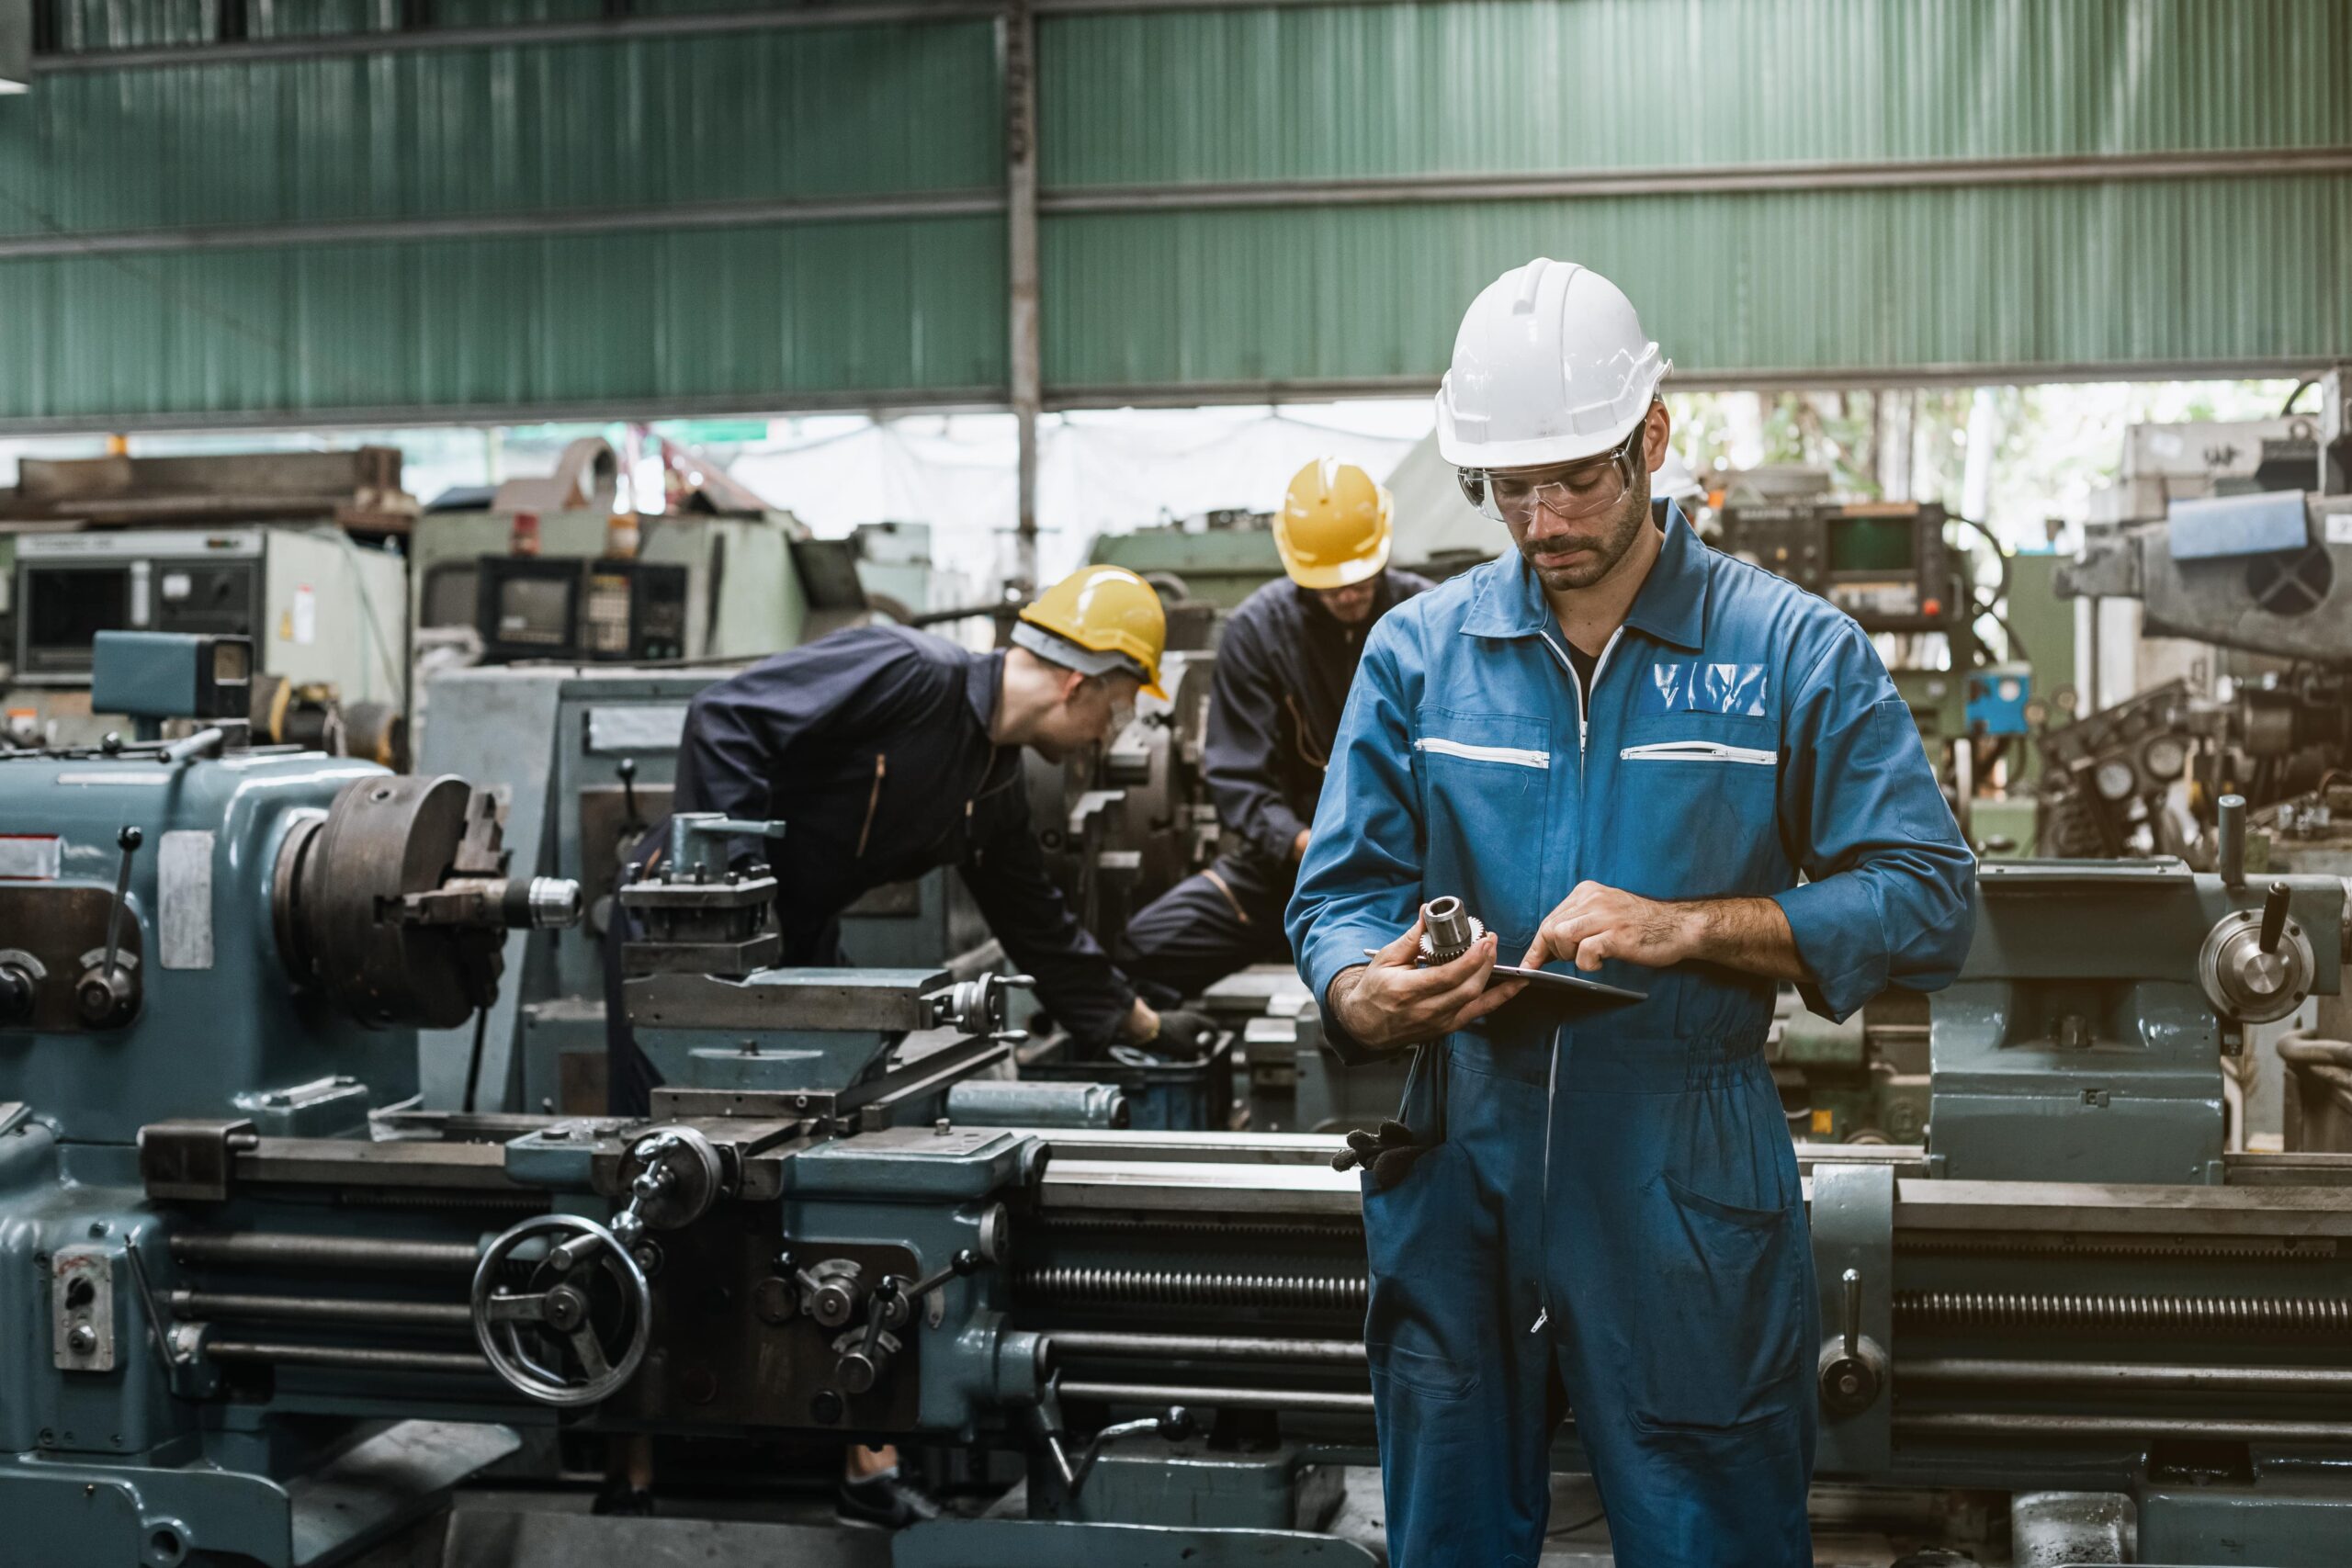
point(1698, 751)
point(1517, 756)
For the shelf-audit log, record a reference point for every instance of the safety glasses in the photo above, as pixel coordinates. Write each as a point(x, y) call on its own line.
point(1570, 491)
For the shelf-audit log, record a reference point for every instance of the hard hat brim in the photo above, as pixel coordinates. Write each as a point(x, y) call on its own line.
point(1568, 446)
point(1340, 575)
point(1055, 649)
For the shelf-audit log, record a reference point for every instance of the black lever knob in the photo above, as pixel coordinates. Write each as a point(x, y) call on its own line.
point(2274, 916)
point(627, 769)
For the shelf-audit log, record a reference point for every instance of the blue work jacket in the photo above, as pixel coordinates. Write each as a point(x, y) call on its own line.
point(1743, 738)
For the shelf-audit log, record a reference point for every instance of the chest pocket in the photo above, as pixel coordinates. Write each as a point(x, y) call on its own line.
point(1485, 782)
point(1706, 810)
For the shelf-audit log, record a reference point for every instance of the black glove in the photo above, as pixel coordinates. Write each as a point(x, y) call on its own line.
point(1389, 1155)
point(1184, 1036)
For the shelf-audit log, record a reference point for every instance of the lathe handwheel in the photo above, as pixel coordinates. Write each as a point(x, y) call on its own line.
point(563, 1310)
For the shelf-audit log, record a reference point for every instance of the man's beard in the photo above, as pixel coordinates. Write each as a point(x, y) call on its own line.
point(1592, 555)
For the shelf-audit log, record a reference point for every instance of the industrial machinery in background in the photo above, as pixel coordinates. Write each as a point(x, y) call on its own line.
point(278, 1313)
point(2242, 563)
point(2218, 564)
point(1122, 825)
point(295, 552)
point(1218, 557)
point(1893, 568)
point(548, 569)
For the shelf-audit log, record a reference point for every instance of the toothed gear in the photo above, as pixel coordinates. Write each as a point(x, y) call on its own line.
point(1432, 954)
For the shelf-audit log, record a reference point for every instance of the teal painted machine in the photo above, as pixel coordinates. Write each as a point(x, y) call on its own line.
point(196, 933)
point(264, 1311)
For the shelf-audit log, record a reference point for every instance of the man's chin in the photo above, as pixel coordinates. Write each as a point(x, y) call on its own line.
point(1580, 570)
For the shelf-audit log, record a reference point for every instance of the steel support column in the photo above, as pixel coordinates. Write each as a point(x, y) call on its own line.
point(1020, 56)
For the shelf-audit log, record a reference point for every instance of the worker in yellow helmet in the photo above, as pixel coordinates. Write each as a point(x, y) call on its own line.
point(1284, 664)
point(887, 752)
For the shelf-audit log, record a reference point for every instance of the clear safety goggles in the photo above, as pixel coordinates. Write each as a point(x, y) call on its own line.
point(1568, 492)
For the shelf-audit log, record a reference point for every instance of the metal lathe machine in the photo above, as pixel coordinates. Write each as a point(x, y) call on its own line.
point(265, 1309)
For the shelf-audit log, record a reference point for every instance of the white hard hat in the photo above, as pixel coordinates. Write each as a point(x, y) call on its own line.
point(1550, 366)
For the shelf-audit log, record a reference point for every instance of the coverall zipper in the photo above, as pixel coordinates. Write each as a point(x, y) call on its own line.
point(1552, 1077)
point(873, 804)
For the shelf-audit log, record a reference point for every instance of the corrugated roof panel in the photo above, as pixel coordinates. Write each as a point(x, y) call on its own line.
point(319, 18)
point(497, 13)
point(135, 24)
point(1522, 86)
point(2213, 270)
point(769, 115)
point(762, 315)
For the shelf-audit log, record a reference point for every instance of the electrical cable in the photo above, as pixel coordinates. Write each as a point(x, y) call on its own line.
point(1981, 608)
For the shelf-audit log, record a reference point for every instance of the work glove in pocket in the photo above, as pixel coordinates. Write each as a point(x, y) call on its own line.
point(1389, 1155)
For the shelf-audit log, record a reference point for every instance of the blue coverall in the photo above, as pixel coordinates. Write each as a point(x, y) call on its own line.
point(1284, 664)
point(872, 745)
point(1612, 1223)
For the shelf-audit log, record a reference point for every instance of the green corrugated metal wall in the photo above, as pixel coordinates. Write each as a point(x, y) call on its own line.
point(2172, 273)
point(2211, 269)
point(2065, 277)
point(1536, 85)
point(763, 318)
point(595, 125)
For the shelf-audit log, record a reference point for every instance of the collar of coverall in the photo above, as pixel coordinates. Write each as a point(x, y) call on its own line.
point(1671, 605)
point(983, 684)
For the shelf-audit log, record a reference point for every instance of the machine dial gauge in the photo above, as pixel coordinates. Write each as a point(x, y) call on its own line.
point(2114, 780)
point(2164, 757)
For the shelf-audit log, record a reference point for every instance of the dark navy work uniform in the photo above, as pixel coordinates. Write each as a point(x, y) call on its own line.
point(1283, 669)
point(872, 746)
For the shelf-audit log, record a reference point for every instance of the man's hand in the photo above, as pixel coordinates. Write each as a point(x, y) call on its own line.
point(1298, 845)
point(1140, 1024)
point(1390, 1001)
point(1594, 922)
point(1183, 1037)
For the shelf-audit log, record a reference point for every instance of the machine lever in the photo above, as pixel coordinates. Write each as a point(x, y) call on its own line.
point(965, 1263)
point(104, 994)
point(633, 822)
point(207, 742)
point(1852, 1371)
point(1175, 1424)
point(128, 841)
point(2274, 916)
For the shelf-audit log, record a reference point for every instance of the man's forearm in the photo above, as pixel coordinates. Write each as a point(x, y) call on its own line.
point(1748, 935)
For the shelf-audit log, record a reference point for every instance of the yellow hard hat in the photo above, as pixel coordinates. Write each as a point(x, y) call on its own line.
point(1096, 620)
point(1333, 528)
